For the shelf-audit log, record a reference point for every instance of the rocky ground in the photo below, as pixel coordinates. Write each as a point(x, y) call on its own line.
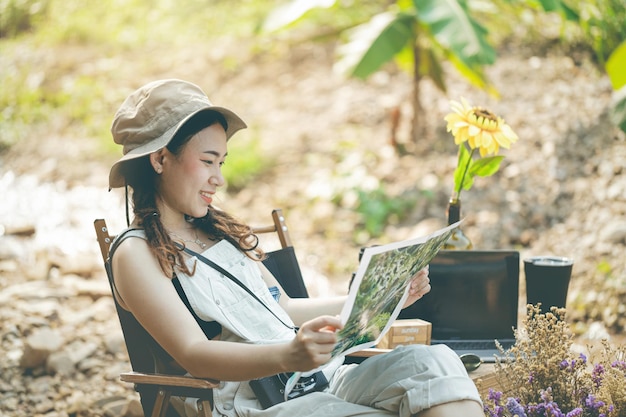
point(561, 191)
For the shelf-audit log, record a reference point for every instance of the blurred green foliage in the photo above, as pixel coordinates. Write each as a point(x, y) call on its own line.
point(603, 25)
point(130, 22)
point(616, 68)
point(377, 209)
point(24, 103)
point(74, 92)
point(420, 35)
point(17, 16)
point(595, 25)
point(416, 35)
point(245, 162)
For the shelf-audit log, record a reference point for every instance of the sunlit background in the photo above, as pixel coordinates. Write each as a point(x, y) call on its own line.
point(340, 135)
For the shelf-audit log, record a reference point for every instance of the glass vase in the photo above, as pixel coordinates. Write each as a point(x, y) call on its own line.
point(457, 240)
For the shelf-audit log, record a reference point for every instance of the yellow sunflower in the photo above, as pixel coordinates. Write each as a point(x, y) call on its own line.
point(480, 128)
point(484, 133)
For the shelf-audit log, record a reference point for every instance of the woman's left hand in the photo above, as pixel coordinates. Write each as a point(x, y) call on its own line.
point(418, 287)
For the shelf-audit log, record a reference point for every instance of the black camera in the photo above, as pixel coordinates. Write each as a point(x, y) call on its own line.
point(271, 390)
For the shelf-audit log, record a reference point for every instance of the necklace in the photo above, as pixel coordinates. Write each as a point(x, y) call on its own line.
point(197, 241)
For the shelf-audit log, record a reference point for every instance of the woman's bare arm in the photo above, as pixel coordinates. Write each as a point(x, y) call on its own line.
point(149, 294)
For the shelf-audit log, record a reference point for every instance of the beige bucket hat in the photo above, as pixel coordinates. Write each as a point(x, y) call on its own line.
point(150, 117)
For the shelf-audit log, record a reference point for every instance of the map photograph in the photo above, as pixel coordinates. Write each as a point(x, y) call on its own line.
point(379, 288)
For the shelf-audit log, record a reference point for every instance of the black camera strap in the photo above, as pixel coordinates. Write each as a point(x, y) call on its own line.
point(236, 281)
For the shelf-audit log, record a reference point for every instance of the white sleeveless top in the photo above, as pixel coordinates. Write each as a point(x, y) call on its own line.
point(215, 297)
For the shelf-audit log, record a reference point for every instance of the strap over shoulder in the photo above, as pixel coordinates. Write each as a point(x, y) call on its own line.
point(133, 232)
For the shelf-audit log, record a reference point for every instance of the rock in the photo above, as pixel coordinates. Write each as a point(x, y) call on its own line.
point(41, 385)
point(115, 343)
point(10, 402)
point(76, 403)
point(82, 350)
point(60, 363)
point(81, 264)
point(10, 248)
point(81, 286)
point(133, 408)
point(615, 233)
point(44, 406)
point(39, 346)
point(114, 406)
point(18, 229)
point(597, 331)
point(38, 270)
point(112, 373)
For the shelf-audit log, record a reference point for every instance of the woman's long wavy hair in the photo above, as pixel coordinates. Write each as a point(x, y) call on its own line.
point(217, 224)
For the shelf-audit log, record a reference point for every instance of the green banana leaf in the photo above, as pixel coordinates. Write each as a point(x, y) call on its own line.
point(430, 65)
point(447, 22)
point(560, 7)
point(616, 67)
point(451, 24)
point(451, 33)
point(289, 13)
point(474, 75)
point(375, 43)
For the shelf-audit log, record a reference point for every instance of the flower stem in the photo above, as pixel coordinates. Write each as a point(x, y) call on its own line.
point(469, 161)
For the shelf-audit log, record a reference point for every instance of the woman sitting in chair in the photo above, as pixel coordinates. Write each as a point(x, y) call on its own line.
point(174, 144)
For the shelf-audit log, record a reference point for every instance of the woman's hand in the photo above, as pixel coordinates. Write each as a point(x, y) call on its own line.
point(313, 344)
point(418, 287)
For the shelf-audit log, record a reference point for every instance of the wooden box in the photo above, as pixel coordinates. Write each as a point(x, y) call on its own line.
point(406, 332)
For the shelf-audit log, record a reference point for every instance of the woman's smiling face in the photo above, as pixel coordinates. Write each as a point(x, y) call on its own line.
point(190, 179)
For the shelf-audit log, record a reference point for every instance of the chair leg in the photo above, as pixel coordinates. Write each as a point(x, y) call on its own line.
point(204, 408)
point(161, 403)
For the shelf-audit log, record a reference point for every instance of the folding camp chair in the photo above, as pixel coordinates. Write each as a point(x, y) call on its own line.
point(154, 374)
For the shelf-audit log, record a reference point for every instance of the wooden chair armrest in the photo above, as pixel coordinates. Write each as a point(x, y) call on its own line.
point(168, 380)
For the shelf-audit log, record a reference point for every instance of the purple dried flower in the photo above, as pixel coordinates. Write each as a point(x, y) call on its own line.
point(552, 410)
point(564, 364)
point(515, 408)
point(576, 412)
point(490, 412)
point(621, 365)
point(535, 409)
point(592, 404)
point(583, 358)
point(494, 395)
point(596, 375)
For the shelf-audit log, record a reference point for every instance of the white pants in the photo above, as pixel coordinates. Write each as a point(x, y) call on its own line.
point(401, 383)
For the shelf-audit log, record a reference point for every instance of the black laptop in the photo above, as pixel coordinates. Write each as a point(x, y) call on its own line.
point(473, 301)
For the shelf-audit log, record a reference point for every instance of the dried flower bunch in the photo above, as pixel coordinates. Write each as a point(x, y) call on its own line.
point(548, 379)
point(479, 129)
